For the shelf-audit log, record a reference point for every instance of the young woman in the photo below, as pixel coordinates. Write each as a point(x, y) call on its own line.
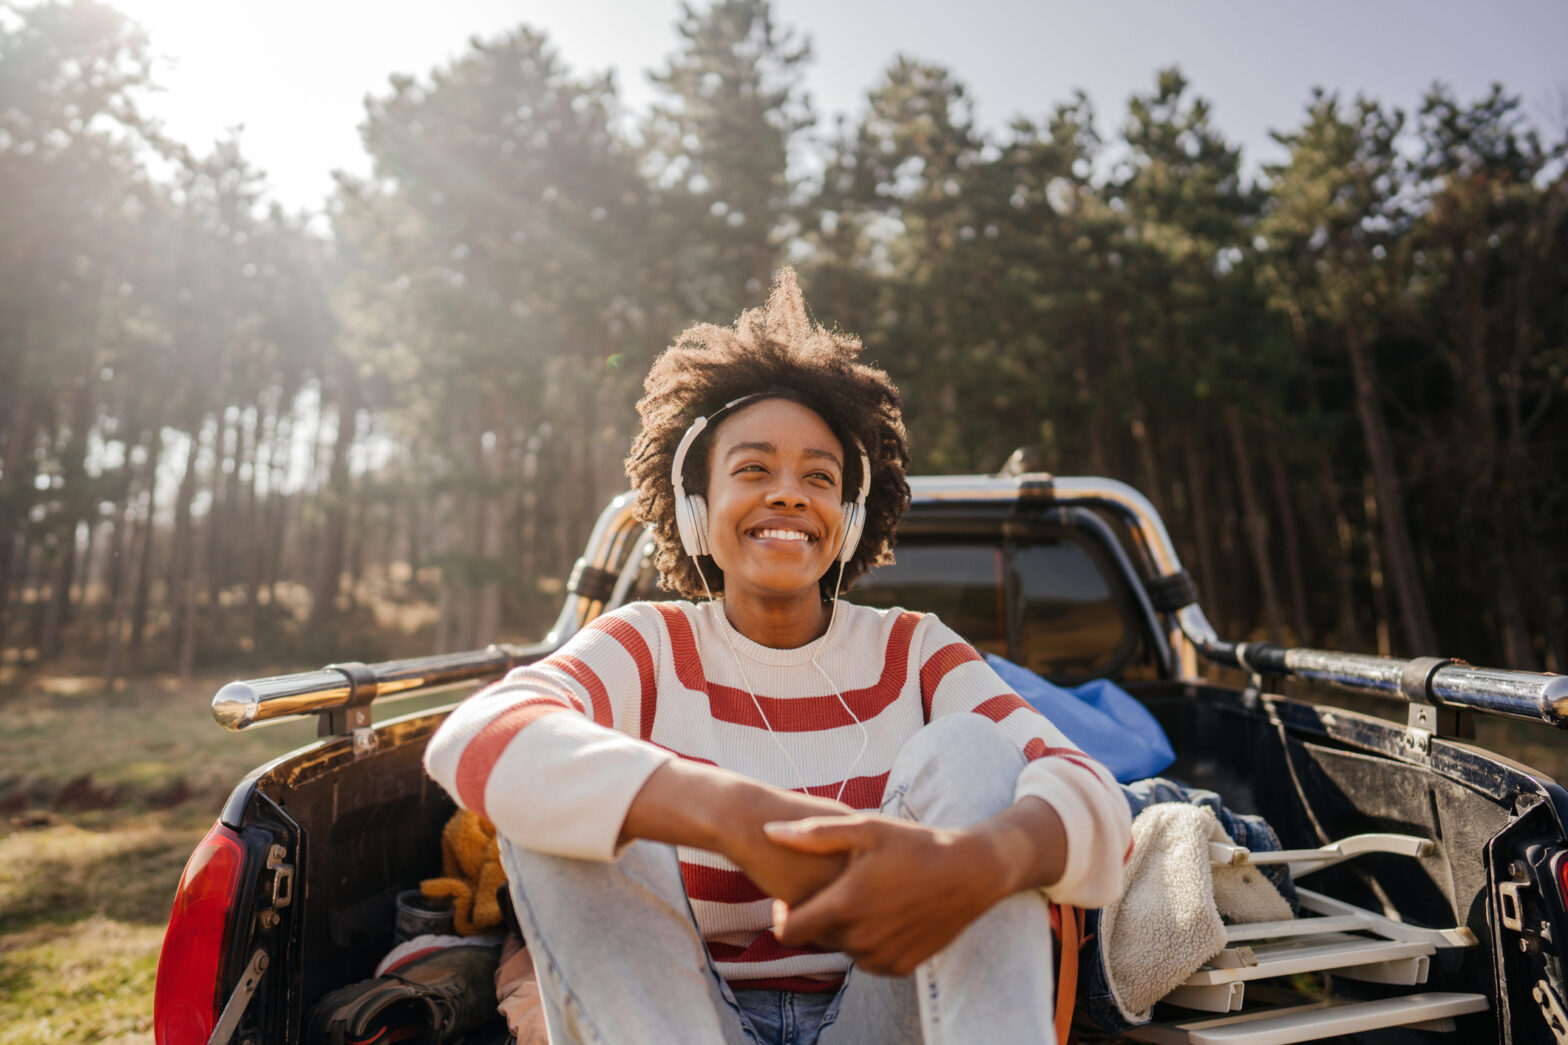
point(769, 815)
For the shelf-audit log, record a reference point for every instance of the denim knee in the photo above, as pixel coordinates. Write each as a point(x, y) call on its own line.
point(959, 770)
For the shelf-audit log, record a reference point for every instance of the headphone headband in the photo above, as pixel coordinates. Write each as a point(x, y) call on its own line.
point(677, 470)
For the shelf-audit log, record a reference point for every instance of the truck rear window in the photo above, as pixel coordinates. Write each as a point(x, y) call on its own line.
point(1046, 598)
point(1044, 604)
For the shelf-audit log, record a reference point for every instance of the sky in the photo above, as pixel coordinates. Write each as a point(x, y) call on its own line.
point(293, 74)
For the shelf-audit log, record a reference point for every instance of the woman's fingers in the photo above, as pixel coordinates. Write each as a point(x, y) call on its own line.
point(818, 834)
point(818, 920)
point(905, 893)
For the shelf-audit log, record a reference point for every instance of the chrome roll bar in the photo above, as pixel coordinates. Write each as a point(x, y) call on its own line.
point(341, 687)
point(1530, 696)
point(619, 543)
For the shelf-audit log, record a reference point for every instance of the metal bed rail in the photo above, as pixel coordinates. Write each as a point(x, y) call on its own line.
point(342, 693)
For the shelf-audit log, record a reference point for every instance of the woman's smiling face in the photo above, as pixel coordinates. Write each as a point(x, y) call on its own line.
point(775, 500)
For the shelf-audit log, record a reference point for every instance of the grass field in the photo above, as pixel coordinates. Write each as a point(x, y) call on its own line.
point(104, 794)
point(102, 797)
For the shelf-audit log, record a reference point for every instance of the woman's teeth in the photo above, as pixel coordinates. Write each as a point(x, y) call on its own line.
point(782, 535)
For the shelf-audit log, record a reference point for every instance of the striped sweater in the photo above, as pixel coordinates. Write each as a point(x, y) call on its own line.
point(555, 752)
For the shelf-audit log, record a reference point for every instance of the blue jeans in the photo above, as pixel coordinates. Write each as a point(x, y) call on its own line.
point(620, 961)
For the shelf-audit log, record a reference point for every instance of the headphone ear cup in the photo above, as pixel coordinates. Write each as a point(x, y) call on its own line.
point(854, 523)
point(699, 522)
point(691, 521)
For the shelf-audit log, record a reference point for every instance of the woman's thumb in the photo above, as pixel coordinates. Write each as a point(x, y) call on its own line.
point(813, 834)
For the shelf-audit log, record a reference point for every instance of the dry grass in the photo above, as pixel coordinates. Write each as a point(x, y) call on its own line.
point(63, 874)
point(88, 981)
point(72, 749)
point(84, 912)
point(103, 795)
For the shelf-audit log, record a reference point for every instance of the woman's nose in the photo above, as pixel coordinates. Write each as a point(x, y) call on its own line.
point(786, 493)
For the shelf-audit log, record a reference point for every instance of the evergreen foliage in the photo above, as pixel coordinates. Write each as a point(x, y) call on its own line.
point(226, 437)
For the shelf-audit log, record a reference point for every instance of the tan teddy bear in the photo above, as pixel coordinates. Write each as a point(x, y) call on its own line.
point(470, 873)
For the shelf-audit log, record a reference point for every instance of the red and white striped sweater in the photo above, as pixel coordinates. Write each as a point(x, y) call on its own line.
point(555, 752)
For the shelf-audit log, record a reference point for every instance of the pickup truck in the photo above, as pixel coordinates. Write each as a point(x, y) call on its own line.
point(1438, 899)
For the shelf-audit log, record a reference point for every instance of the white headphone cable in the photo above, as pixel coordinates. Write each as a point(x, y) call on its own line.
point(750, 690)
point(865, 734)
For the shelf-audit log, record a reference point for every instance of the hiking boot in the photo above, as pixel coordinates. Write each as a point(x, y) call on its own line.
point(436, 998)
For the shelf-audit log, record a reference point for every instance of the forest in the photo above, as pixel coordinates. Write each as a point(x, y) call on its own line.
point(235, 435)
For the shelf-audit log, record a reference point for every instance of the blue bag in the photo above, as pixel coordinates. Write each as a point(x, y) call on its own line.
point(1100, 717)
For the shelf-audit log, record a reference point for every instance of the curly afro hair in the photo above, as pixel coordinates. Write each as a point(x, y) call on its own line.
point(774, 352)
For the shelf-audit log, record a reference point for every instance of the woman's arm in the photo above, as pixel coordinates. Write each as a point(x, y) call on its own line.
point(688, 803)
point(540, 753)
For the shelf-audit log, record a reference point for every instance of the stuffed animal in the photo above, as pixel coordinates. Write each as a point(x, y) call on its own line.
point(470, 873)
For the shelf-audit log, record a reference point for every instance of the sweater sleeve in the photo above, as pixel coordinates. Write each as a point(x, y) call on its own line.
point(955, 679)
point(551, 754)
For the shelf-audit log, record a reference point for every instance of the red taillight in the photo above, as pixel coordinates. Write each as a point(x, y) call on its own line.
point(185, 1002)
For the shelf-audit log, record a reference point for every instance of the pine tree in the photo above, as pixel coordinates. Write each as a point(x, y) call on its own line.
point(720, 145)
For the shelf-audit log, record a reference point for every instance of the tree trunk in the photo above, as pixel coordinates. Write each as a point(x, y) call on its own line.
point(474, 504)
point(1203, 533)
point(198, 558)
point(182, 553)
point(10, 542)
point(1285, 504)
point(59, 596)
point(114, 581)
point(1404, 574)
point(1099, 461)
point(255, 512)
point(116, 600)
point(220, 515)
point(35, 566)
point(1370, 505)
point(529, 531)
point(416, 541)
point(146, 532)
point(278, 508)
point(16, 475)
point(1257, 525)
point(73, 470)
point(84, 567)
point(187, 628)
point(1347, 636)
point(493, 522)
point(1143, 439)
point(356, 537)
point(334, 531)
point(444, 601)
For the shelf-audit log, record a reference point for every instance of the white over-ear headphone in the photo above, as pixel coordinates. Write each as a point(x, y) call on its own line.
point(691, 510)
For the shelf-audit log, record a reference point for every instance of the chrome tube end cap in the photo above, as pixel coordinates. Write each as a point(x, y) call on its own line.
point(1554, 700)
point(236, 705)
